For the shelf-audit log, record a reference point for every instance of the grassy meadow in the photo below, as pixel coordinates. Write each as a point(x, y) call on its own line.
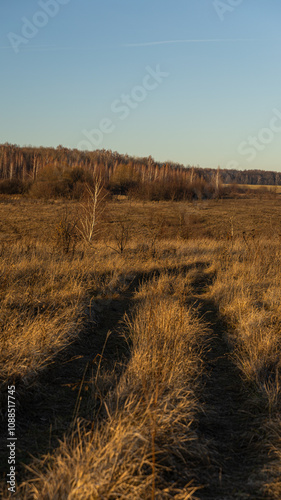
point(146, 362)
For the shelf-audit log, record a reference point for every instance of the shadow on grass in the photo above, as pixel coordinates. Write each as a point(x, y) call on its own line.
point(74, 385)
point(229, 422)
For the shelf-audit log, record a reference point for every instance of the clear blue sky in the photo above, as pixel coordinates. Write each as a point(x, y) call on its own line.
point(67, 78)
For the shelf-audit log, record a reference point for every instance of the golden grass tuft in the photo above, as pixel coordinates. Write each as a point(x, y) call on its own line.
point(148, 446)
point(247, 290)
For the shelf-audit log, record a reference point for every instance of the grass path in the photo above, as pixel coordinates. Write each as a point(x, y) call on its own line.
point(49, 408)
point(228, 422)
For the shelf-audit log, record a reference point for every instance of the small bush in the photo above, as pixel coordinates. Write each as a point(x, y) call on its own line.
point(13, 186)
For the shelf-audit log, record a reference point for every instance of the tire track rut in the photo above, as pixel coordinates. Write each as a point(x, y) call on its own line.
point(48, 408)
point(232, 430)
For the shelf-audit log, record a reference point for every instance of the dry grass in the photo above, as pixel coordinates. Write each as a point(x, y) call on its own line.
point(148, 441)
point(44, 292)
point(145, 438)
point(247, 289)
point(41, 301)
point(258, 187)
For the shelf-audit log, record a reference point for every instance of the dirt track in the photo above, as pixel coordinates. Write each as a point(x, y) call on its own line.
point(228, 421)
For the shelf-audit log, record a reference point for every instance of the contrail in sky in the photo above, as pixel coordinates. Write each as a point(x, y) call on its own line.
point(190, 40)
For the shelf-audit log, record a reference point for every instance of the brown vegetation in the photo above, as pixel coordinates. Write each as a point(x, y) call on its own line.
point(112, 346)
point(62, 173)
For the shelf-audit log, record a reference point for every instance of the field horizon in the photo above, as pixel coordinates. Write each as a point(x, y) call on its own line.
point(140, 250)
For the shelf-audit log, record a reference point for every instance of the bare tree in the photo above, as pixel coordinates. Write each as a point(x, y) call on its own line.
point(122, 235)
point(65, 233)
point(91, 211)
point(217, 180)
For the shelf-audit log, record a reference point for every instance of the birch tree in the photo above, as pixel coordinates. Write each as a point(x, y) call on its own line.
point(91, 211)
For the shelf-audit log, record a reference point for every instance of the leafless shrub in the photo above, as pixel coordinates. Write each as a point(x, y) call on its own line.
point(91, 211)
point(121, 235)
point(66, 234)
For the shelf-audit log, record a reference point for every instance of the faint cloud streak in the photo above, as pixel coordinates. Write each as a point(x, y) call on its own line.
point(190, 40)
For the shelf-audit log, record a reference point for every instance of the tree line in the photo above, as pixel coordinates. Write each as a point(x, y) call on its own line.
point(63, 172)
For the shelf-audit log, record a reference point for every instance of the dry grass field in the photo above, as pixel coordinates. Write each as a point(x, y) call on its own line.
point(146, 363)
point(260, 187)
point(265, 188)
